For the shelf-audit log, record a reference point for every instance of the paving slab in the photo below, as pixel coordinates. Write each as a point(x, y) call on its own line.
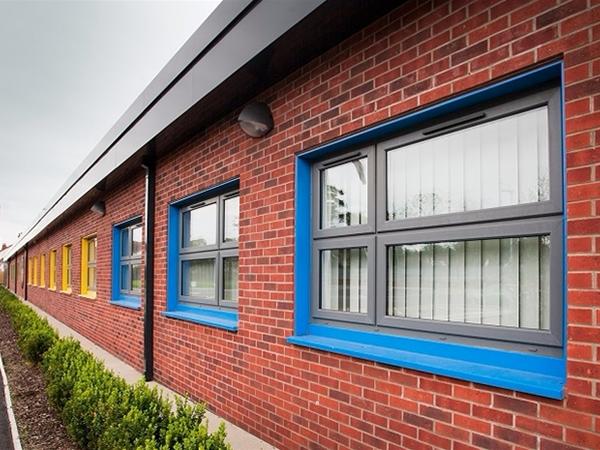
point(237, 437)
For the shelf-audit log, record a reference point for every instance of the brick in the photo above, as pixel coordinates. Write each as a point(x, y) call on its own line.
point(582, 89)
point(582, 438)
point(517, 437)
point(533, 40)
point(563, 11)
point(489, 443)
point(514, 404)
point(493, 415)
point(539, 427)
point(582, 404)
point(553, 445)
point(509, 35)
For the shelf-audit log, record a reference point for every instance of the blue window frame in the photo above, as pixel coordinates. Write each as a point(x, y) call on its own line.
point(127, 263)
point(345, 325)
point(202, 259)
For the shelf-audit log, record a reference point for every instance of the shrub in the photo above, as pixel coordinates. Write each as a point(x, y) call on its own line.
point(36, 342)
point(35, 336)
point(101, 411)
point(182, 434)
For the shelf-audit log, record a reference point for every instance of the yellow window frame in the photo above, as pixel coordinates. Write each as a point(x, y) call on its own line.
point(35, 271)
point(86, 264)
point(66, 268)
point(52, 274)
point(43, 271)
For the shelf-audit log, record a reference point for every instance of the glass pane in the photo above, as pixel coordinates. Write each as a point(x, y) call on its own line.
point(136, 240)
point(136, 277)
point(230, 279)
point(200, 226)
point(91, 279)
point(125, 246)
point(231, 225)
point(502, 282)
point(499, 163)
point(125, 286)
point(198, 279)
point(91, 250)
point(344, 194)
point(344, 280)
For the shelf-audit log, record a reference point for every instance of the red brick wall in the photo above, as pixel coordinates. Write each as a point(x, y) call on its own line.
point(295, 397)
point(117, 329)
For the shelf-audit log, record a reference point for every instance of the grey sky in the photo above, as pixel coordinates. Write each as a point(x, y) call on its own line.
point(68, 70)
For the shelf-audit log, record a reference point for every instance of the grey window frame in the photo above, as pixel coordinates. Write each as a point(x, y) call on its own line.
point(549, 97)
point(523, 220)
point(218, 251)
point(129, 260)
point(221, 233)
point(369, 227)
point(340, 243)
point(520, 228)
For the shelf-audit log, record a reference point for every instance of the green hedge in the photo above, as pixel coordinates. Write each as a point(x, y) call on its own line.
point(101, 411)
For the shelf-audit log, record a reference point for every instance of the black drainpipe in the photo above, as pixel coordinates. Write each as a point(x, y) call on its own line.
point(25, 273)
point(149, 165)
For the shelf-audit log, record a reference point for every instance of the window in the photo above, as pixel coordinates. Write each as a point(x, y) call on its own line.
point(127, 263)
point(66, 269)
point(29, 271)
point(208, 254)
point(441, 248)
point(52, 275)
point(43, 271)
point(203, 257)
point(88, 266)
point(423, 264)
point(35, 271)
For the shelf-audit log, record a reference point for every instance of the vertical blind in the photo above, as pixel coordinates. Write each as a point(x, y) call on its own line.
point(502, 282)
point(499, 163)
point(230, 279)
point(344, 280)
point(198, 279)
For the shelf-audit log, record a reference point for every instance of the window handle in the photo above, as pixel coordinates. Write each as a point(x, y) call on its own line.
point(343, 158)
point(454, 124)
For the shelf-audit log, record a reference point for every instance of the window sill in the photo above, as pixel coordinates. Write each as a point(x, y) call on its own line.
point(66, 291)
point(227, 320)
point(52, 289)
point(89, 296)
point(532, 374)
point(130, 304)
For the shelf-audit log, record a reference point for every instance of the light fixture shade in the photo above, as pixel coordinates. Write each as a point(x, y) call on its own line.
point(256, 119)
point(98, 208)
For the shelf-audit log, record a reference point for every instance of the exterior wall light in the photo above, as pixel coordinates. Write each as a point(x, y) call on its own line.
point(256, 119)
point(98, 208)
